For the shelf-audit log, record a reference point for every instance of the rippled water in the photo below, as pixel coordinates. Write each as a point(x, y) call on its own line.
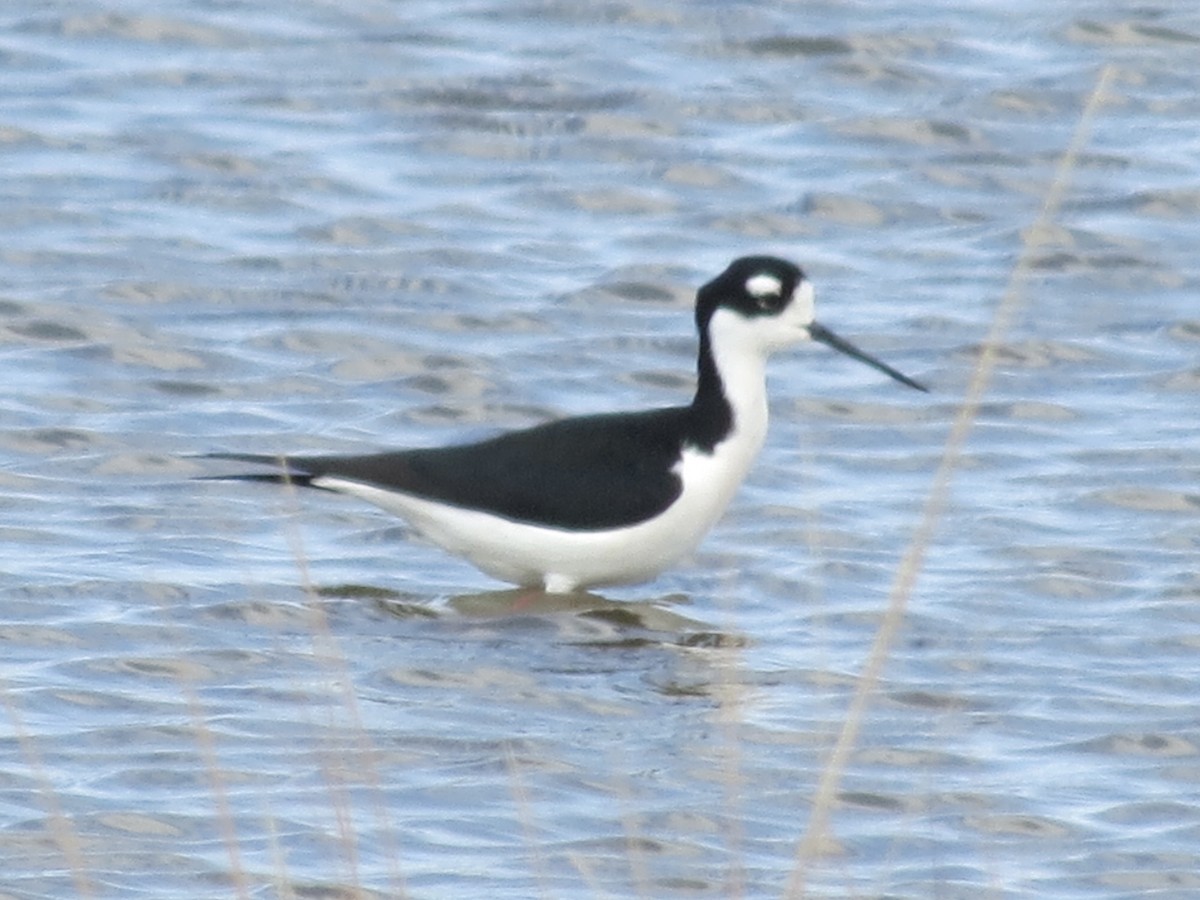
point(230, 226)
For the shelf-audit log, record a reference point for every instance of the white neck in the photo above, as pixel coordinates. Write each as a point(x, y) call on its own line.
point(741, 363)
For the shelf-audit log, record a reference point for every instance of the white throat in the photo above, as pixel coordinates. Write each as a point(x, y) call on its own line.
point(740, 358)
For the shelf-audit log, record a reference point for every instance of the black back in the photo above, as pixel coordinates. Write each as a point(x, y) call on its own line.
point(587, 473)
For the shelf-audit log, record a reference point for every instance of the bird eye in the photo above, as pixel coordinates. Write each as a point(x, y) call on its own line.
point(766, 289)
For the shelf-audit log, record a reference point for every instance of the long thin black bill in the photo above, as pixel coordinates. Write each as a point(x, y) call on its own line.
point(822, 334)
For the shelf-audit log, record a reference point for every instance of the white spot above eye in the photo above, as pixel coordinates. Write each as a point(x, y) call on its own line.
point(763, 285)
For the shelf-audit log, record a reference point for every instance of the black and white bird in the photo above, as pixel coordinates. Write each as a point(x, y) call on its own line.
point(602, 499)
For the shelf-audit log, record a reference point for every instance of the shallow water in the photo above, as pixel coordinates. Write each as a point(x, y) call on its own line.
point(230, 228)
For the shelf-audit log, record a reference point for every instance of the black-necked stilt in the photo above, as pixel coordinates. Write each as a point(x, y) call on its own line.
point(603, 499)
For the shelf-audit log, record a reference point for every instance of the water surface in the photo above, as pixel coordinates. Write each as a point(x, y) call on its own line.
point(234, 227)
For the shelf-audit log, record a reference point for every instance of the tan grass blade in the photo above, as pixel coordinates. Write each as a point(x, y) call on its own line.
point(817, 831)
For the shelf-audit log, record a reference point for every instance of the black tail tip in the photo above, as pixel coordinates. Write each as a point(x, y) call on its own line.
point(284, 470)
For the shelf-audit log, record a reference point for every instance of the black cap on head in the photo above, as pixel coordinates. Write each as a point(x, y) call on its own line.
point(752, 285)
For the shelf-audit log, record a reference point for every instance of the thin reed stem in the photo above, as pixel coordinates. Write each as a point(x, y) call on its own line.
point(910, 566)
point(62, 833)
point(365, 764)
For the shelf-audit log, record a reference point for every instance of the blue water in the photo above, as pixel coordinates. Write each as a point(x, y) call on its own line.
point(230, 226)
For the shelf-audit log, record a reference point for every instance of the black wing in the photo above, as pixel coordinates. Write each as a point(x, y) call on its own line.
point(588, 473)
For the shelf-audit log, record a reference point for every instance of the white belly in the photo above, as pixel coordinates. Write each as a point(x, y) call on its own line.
point(561, 560)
